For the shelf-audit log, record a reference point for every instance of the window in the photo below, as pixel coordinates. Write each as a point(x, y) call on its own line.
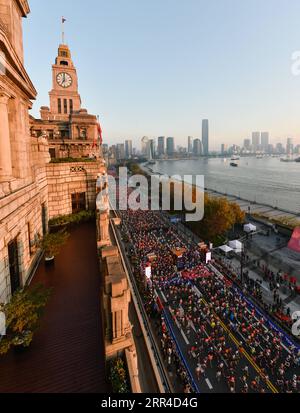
point(52, 153)
point(44, 219)
point(71, 105)
point(65, 106)
point(59, 105)
point(63, 54)
point(64, 63)
point(78, 202)
point(29, 239)
point(14, 270)
point(65, 134)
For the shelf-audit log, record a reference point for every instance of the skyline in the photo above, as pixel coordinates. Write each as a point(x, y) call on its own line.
point(145, 77)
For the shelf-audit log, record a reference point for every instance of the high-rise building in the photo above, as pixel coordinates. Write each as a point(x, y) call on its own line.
point(289, 146)
point(205, 137)
point(121, 151)
point(151, 150)
point(223, 149)
point(161, 146)
point(145, 146)
point(255, 141)
point(190, 144)
point(247, 144)
point(197, 147)
point(170, 146)
point(279, 148)
point(128, 149)
point(270, 149)
point(265, 140)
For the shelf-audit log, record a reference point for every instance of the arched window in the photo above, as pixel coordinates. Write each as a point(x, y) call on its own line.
point(64, 63)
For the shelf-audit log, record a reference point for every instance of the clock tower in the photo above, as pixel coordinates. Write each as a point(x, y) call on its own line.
point(64, 96)
point(72, 132)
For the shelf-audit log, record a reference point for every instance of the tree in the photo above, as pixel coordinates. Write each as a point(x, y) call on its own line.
point(23, 313)
point(53, 242)
point(219, 217)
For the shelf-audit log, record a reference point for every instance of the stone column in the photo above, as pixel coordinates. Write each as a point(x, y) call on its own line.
point(5, 148)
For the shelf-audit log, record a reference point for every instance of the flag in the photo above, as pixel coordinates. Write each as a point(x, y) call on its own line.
point(63, 20)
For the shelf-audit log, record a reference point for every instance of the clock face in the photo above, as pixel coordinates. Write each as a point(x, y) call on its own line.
point(64, 80)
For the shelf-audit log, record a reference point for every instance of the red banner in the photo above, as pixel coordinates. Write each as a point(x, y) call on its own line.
point(294, 243)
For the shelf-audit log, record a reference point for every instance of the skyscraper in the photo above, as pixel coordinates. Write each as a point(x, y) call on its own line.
point(265, 140)
point(170, 146)
point(145, 146)
point(120, 151)
point(197, 147)
point(161, 146)
point(190, 144)
point(289, 146)
point(223, 149)
point(128, 149)
point(205, 137)
point(247, 144)
point(255, 141)
point(151, 150)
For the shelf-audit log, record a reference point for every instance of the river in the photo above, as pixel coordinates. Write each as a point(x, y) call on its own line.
point(265, 181)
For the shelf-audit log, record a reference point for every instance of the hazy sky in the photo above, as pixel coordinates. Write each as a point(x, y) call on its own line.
point(157, 67)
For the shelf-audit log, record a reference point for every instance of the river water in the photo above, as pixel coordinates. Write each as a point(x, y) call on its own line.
point(265, 181)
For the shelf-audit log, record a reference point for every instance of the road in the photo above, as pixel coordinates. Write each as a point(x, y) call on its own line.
point(203, 310)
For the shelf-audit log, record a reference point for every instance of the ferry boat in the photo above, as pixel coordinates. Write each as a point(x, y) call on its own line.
point(235, 158)
point(287, 159)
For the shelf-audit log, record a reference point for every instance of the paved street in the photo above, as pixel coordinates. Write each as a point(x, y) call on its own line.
point(223, 342)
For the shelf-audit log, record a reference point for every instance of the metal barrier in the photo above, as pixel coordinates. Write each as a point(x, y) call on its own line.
point(192, 381)
point(154, 352)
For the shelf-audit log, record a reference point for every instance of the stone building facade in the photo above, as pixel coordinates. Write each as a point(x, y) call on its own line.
point(33, 190)
point(23, 181)
point(71, 187)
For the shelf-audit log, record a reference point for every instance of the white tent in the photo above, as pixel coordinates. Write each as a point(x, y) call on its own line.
point(236, 245)
point(225, 249)
point(249, 228)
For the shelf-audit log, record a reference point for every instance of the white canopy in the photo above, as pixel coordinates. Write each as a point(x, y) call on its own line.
point(225, 249)
point(236, 245)
point(249, 228)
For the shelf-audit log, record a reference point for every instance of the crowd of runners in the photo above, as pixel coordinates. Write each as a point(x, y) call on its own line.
point(225, 342)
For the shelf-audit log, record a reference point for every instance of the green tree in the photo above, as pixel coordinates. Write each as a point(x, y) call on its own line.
point(219, 217)
point(23, 313)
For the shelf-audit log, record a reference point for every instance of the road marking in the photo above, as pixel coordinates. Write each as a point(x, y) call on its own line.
point(199, 295)
point(209, 384)
point(193, 327)
point(251, 361)
point(163, 296)
point(184, 337)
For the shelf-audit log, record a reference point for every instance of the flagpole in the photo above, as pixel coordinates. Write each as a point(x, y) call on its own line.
point(63, 30)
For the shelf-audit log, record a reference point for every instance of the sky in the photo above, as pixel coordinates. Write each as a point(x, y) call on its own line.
point(158, 67)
